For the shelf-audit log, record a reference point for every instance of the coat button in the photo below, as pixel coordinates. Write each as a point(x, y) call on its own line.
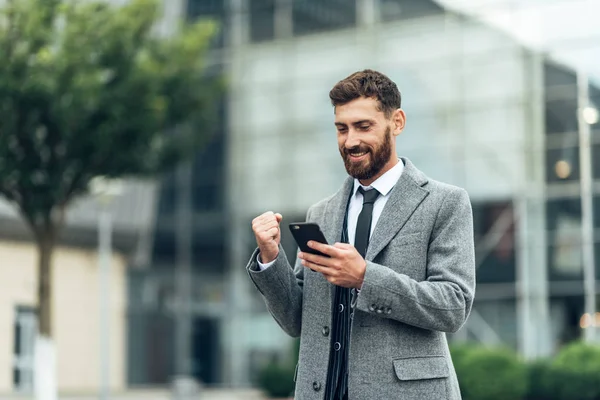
point(337, 346)
point(379, 311)
point(372, 307)
point(388, 311)
point(316, 386)
point(325, 331)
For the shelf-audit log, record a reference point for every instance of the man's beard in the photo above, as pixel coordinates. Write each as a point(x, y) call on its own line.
point(373, 163)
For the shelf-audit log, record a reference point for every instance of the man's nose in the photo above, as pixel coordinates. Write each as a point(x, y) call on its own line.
point(352, 139)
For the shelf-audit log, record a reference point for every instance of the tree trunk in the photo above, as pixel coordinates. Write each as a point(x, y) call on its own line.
point(45, 354)
point(45, 251)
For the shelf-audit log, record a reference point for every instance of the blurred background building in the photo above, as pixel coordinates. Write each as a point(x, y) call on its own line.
point(77, 295)
point(486, 111)
point(494, 98)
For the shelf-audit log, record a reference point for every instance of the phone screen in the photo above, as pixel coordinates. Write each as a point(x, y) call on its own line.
point(304, 232)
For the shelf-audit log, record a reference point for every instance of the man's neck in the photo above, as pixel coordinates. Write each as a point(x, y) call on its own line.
point(389, 165)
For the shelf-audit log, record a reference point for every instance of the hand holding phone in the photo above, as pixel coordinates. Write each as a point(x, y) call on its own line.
point(304, 232)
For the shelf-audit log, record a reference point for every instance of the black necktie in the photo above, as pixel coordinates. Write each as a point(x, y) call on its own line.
point(337, 379)
point(363, 226)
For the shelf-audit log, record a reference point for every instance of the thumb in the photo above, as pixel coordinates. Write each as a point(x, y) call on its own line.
point(279, 217)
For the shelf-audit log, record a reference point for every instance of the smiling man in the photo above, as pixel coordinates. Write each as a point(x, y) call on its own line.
point(399, 270)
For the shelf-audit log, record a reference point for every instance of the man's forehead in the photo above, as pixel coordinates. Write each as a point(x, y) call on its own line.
point(357, 110)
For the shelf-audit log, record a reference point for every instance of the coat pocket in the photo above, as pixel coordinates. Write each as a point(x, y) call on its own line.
point(416, 368)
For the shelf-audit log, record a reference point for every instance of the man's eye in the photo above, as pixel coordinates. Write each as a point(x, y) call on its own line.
point(364, 127)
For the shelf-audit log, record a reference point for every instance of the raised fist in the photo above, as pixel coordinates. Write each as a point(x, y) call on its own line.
point(268, 235)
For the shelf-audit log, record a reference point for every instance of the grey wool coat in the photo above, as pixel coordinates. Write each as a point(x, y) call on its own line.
point(419, 284)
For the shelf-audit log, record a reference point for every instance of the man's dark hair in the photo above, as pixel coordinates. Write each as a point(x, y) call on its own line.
point(370, 84)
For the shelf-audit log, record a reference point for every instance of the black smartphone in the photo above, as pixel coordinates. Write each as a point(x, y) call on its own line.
point(303, 232)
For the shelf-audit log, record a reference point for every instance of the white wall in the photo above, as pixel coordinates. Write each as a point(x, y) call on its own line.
point(75, 314)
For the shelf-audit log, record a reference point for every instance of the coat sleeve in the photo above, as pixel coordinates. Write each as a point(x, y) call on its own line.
point(444, 300)
point(281, 287)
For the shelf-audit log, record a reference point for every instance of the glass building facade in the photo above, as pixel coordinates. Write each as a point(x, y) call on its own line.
point(484, 112)
point(153, 291)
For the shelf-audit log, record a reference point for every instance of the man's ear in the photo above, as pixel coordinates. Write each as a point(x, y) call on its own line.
point(399, 121)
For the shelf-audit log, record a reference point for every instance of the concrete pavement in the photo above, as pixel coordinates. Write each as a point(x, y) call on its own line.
point(155, 394)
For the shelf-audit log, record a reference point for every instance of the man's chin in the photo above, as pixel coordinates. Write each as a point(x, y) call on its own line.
point(358, 169)
point(359, 174)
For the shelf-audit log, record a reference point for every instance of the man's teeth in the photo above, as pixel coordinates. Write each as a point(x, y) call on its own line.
point(358, 154)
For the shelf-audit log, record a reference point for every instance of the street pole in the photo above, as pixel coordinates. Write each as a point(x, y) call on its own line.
point(587, 210)
point(104, 267)
point(529, 205)
point(236, 363)
point(105, 192)
point(183, 280)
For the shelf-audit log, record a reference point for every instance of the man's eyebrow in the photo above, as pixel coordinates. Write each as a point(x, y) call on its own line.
point(362, 121)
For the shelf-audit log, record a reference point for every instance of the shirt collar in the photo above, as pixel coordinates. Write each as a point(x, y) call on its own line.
point(385, 183)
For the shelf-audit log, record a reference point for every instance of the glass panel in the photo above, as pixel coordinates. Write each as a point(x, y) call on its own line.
point(595, 157)
point(391, 10)
point(560, 98)
point(311, 16)
point(500, 315)
point(17, 340)
point(564, 239)
point(568, 312)
point(496, 263)
point(208, 194)
point(562, 165)
point(262, 20)
point(16, 377)
point(163, 248)
point(561, 115)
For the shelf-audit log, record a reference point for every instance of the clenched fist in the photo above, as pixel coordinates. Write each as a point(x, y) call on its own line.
point(268, 235)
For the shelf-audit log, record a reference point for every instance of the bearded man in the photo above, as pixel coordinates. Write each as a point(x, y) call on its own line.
point(398, 271)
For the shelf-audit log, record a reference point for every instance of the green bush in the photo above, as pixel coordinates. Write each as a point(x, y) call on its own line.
point(540, 378)
point(575, 373)
point(492, 374)
point(579, 356)
point(459, 353)
point(498, 374)
point(277, 380)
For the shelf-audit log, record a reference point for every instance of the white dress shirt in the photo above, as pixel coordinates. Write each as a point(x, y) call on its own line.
point(384, 185)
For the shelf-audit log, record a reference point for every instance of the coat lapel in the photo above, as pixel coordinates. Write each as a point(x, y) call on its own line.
point(405, 197)
point(334, 220)
point(335, 212)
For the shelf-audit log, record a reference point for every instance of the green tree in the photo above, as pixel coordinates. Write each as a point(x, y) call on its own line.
point(91, 89)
